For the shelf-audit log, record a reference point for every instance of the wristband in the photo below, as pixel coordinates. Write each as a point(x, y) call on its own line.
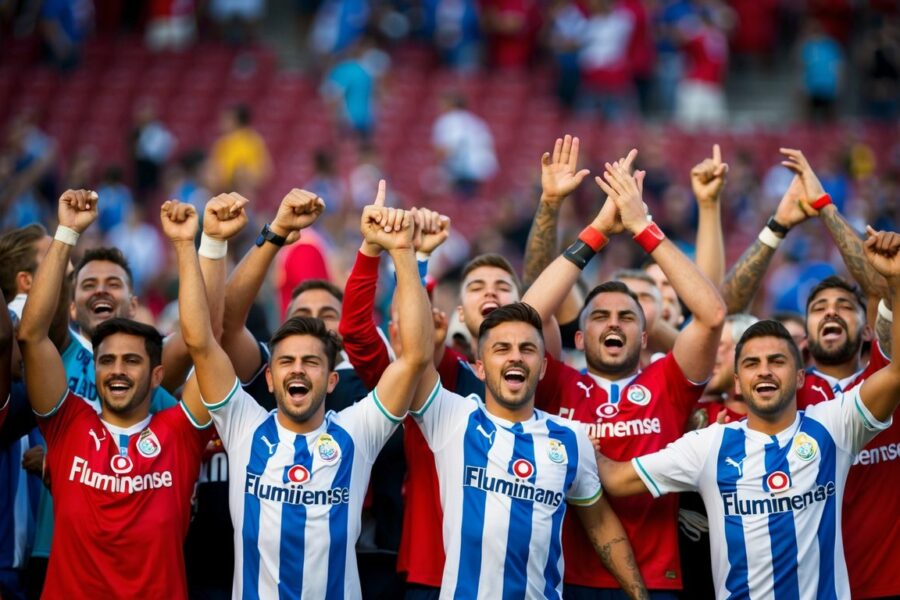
point(650, 237)
point(777, 228)
point(884, 312)
point(212, 248)
point(768, 237)
point(66, 235)
point(593, 238)
point(579, 254)
point(823, 201)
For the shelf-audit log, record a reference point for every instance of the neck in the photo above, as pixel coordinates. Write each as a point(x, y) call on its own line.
point(514, 415)
point(124, 421)
point(772, 425)
point(839, 371)
point(306, 426)
point(613, 375)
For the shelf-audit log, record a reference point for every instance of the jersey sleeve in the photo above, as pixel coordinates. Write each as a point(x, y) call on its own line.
point(236, 415)
point(443, 413)
point(585, 489)
point(53, 424)
point(369, 423)
point(677, 467)
point(849, 420)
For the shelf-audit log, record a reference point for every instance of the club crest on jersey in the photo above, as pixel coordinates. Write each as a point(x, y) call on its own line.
point(607, 411)
point(556, 451)
point(777, 481)
point(522, 469)
point(148, 444)
point(328, 449)
point(296, 474)
point(805, 447)
point(121, 464)
point(638, 394)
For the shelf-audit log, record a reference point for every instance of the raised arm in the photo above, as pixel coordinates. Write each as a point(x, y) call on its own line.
point(392, 230)
point(696, 345)
point(223, 218)
point(707, 182)
point(45, 374)
point(298, 210)
point(881, 390)
point(745, 277)
point(610, 541)
point(213, 370)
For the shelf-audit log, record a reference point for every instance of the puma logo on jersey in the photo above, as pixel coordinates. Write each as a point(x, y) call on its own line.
point(489, 436)
point(737, 465)
point(821, 390)
point(97, 440)
point(271, 446)
point(587, 388)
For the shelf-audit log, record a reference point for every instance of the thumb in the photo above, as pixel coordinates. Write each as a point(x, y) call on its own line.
point(580, 175)
point(382, 193)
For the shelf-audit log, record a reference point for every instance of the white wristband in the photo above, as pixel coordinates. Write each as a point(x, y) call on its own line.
point(66, 235)
point(884, 312)
point(768, 237)
point(212, 248)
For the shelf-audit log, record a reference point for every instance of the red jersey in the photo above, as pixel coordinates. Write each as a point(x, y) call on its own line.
point(870, 544)
point(121, 514)
point(632, 417)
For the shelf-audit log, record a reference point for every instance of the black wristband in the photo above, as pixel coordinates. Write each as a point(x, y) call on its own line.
point(776, 227)
point(579, 254)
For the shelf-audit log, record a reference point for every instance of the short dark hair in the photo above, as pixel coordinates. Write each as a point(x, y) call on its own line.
point(109, 254)
point(317, 284)
point(18, 254)
point(612, 287)
point(492, 259)
point(313, 327)
point(835, 282)
point(517, 312)
point(768, 328)
point(153, 341)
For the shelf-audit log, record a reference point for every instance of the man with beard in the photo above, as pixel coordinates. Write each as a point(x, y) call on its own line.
point(123, 479)
point(297, 475)
point(772, 483)
point(519, 467)
point(836, 329)
point(630, 411)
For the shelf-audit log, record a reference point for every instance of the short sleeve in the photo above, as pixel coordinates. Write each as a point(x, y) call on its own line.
point(369, 423)
point(54, 424)
point(442, 415)
point(585, 490)
point(236, 415)
point(848, 420)
point(677, 467)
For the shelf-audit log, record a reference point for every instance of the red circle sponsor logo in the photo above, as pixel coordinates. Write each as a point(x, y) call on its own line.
point(121, 464)
point(298, 474)
point(523, 469)
point(777, 481)
point(607, 410)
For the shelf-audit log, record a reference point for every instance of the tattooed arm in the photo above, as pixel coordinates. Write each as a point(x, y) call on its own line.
point(883, 329)
point(850, 245)
point(611, 543)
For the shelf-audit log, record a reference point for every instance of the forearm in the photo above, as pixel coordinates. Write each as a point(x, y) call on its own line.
point(850, 245)
point(542, 243)
point(364, 346)
point(193, 307)
point(745, 277)
point(710, 244)
point(416, 331)
point(614, 550)
point(243, 287)
point(43, 298)
point(699, 295)
point(548, 291)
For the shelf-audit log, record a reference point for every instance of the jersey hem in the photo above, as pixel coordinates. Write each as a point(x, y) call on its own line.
point(218, 405)
point(390, 417)
point(431, 397)
point(53, 410)
point(590, 501)
point(646, 478)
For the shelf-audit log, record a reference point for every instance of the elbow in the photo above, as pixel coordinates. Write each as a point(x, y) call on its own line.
point(714, 318)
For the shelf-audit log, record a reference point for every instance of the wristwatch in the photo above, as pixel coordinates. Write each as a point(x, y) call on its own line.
point(776, 227)
point(267, 235)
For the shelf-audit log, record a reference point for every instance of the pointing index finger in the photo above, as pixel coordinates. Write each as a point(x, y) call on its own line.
point(382, 193)
point(717, 154)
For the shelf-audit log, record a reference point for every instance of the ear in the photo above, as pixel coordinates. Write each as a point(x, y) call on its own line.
point(479, 369)
point(644, 338)
point(579, 340)
point(543, 368)
point(737, 385)
point(461, 315)
point(269, 381)
point(133, 305)
point(24, 279)
point(801, 377)
point(333, 379)
point(156, 376)
point(72, 312)
point(867, 333)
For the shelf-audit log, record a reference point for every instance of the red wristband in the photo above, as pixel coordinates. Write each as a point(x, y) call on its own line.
point(593, 238)
point(823, 201)
point(651, 237)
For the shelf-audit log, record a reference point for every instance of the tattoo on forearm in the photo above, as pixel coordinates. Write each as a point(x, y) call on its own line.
point(850, 246)
point(745, 276)
point(541, 248)
point(628, 574)
point(883, 335)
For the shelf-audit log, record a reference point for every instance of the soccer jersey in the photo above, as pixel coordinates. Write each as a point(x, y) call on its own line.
point(123, 501)
point(504, 488)
point(296, 498)
point(631, 417)
point(773, 501)
point(869, 544)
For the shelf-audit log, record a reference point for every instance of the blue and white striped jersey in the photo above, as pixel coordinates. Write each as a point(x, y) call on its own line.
point(296, 499)
point(504, 488)
point(774, 501)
